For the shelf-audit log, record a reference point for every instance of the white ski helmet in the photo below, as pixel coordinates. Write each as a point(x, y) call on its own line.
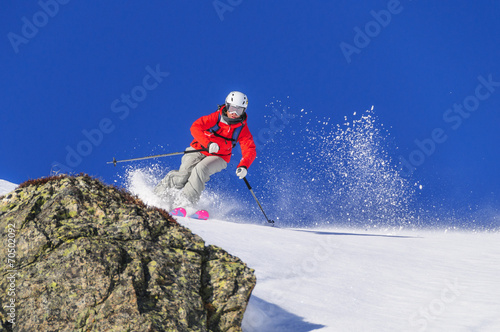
point(237, 99)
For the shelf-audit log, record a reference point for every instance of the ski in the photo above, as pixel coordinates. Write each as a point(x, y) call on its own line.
point(181, 212)
point(200, 214)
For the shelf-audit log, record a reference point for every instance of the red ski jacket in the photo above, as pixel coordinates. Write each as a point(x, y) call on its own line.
point(213, 128)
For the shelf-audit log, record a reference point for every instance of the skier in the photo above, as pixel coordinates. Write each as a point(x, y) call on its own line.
point(217, 134)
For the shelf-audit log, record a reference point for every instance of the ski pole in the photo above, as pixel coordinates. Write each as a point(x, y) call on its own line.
point(250, 188)
point(114, 162)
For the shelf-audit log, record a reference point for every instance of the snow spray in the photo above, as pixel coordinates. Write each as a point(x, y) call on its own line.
point(321, 172)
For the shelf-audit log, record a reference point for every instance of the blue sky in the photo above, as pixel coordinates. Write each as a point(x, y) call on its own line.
point(84, 82)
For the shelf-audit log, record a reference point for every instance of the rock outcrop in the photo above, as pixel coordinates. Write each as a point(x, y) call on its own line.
point(78, 255)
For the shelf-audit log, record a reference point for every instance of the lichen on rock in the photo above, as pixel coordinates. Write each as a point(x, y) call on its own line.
point(91, 257)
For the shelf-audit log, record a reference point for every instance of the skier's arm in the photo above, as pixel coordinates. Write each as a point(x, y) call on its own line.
point(199, 128)
point(248, 148)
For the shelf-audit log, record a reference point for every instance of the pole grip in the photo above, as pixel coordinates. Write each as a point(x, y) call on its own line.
point(248, 184)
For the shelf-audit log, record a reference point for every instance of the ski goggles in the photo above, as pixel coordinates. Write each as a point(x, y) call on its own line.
point(238, 110)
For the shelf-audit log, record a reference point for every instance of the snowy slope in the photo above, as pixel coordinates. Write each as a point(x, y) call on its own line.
point(347, 280)
point(6, 187)
point(355, 280)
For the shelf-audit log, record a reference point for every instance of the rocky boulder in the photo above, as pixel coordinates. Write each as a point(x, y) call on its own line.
point(78, 255)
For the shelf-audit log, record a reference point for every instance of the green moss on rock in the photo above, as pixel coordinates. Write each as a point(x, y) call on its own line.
point(91, 257)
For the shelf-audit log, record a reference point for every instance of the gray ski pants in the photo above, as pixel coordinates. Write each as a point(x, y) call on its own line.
point(194, 172)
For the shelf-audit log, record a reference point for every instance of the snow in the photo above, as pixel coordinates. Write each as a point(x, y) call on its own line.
point(354, 280)
point(6, 187)
point(338, 279)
